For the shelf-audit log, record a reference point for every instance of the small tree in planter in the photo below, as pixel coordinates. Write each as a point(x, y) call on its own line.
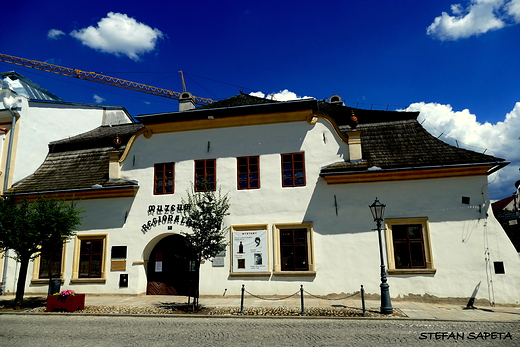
point(26, 227)
point(205, 212)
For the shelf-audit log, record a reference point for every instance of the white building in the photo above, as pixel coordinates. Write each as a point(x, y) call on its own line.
point(300, 176)
point(39, 118)
point(30, 118)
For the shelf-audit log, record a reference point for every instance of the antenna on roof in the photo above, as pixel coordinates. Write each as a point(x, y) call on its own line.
point(182, 79)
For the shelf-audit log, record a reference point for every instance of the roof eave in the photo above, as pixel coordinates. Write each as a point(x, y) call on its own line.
point(200, 113)
point(124, 191)
point(412, 173)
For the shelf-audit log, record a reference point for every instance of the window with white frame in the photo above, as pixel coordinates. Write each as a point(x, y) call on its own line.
point(408, 246)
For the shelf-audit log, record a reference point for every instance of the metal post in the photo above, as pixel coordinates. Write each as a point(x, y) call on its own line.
point(242, 300)
point(386, 305)
point(302, 313)
point(363, 301)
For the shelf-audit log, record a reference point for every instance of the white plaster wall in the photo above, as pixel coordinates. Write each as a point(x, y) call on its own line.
point(346, 247)
point(39, 124)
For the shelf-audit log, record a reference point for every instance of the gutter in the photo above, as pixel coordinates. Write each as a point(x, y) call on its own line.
point(495, 167)
point(61, 191)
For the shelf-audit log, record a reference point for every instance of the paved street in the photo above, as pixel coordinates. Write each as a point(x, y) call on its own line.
point(66, 330)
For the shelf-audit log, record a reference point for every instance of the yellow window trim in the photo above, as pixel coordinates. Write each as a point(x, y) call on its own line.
point(36, 268)
point(428, 253)
point(310, 249)
point(75, 264)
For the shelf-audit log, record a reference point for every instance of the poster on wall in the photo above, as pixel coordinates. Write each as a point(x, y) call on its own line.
point(250, 251)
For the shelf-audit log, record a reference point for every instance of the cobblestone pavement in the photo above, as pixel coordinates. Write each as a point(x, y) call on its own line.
point(406, 309)
point(92, 330)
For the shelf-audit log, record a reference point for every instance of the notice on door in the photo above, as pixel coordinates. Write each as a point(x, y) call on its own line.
point(250, 251)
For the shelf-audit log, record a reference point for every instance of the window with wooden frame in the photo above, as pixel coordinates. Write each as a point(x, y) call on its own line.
point(248, 172)
point(293, 170)
point(163, 178)
point(408, 246)
point(205, 175)
point(50, 264)
point(293, 249)
point(90, 258)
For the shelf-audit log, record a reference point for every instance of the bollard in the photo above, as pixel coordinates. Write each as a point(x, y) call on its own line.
point(302, 313)
point(242, 300)
point(363, 301)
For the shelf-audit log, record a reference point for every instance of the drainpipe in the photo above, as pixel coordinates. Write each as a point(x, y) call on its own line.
point(6, 179)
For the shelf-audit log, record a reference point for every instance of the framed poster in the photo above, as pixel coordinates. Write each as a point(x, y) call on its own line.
point(250, 251)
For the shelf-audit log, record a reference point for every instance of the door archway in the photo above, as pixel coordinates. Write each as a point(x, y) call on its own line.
point(168, 271)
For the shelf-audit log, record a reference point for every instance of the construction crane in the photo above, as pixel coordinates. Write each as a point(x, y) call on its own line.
point(99, 78)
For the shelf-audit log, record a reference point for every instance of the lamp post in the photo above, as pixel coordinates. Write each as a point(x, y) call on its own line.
point(378, 211)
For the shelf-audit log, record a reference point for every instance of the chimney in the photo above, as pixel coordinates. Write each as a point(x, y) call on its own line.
point(354, 145)
point(186, 102)
point(114, 169)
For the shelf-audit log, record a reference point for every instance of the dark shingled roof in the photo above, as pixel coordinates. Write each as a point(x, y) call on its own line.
point(389, 140)
point(238, 100)
point(78, 162)
point(393, 140)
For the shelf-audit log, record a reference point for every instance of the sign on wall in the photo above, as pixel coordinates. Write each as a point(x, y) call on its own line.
point(250, 251)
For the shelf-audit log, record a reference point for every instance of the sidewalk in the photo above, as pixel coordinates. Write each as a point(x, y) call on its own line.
point(413, 310)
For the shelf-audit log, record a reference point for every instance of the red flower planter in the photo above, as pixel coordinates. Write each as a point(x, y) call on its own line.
point(69, 303)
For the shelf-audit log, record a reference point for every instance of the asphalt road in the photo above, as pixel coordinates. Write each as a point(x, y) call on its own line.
point(108, 331)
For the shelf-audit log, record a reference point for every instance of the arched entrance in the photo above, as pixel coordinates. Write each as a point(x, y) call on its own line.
point(168, 271)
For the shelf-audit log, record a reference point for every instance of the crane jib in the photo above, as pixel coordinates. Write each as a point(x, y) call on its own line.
point(98, 78)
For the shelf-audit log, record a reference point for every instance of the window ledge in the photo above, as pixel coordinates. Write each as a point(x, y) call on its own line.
point(412, 271)
point(45, 280)
point(88, 280)
point(249, 274)
point(294, 273)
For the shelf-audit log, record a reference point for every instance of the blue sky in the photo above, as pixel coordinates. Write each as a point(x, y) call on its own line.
point(455, 61)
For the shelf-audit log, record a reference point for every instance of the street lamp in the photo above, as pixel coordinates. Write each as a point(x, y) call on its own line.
point(378, 211)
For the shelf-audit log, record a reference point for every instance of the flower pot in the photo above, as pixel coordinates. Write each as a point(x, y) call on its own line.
point(69, 303)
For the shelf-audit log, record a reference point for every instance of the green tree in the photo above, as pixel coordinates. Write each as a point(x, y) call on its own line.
point(205, 212)
point(26, 227)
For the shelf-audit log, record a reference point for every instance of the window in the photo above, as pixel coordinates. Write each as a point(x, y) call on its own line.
point(248, 172)
point(50, 263)
point(408, 246)
point(46, 263)
point(293, 170)
point(90, 257)
point(163, 178)
point(205, 175)
point(293, 250)
point(294, 254)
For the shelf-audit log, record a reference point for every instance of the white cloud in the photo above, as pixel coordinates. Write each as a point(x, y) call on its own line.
point(479, 17)
point(282, 95)
point(462, 128)
point(98, 99)
point(119, 34)
point(513, 8)
point(54, 34)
